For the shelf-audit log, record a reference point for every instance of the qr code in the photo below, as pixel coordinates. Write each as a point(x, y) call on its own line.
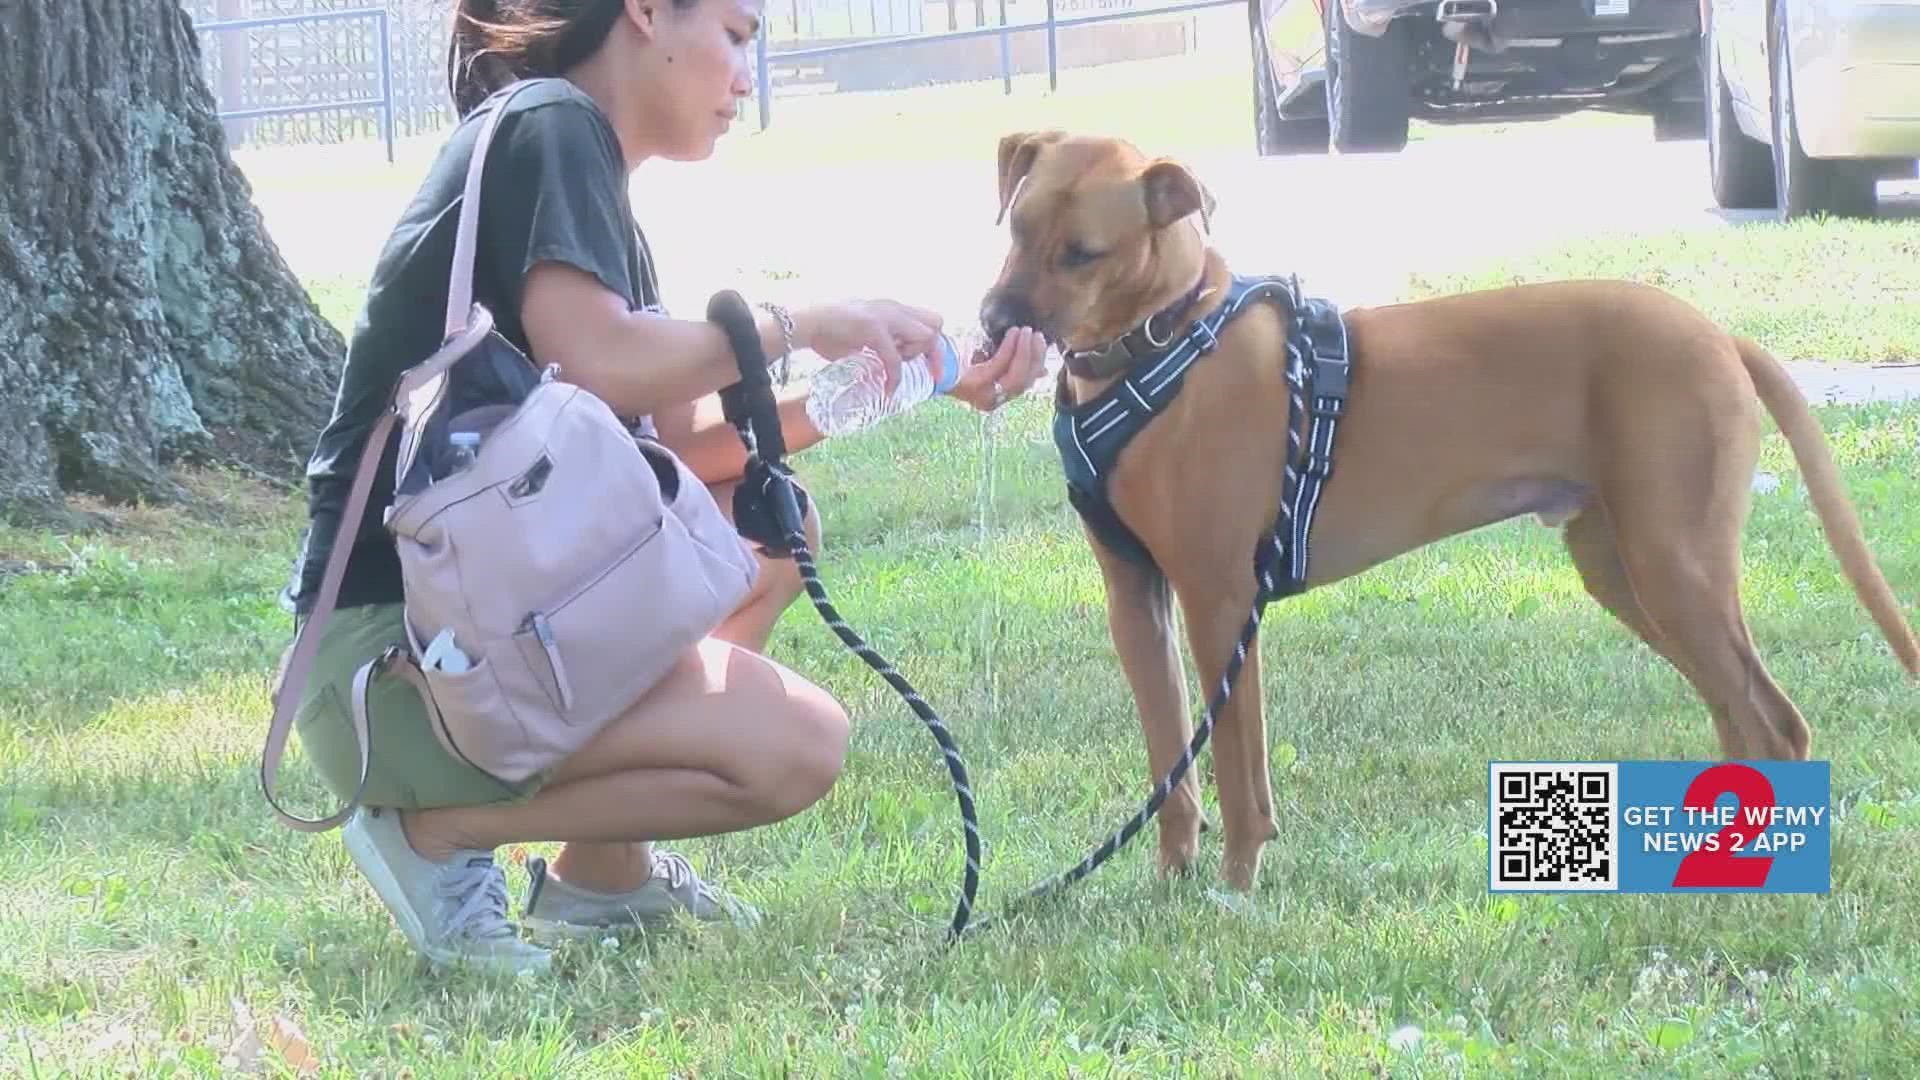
point(1553, 827)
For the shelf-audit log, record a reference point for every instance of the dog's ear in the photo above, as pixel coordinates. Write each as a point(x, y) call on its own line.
point(1017, 152)
point(1172, 192)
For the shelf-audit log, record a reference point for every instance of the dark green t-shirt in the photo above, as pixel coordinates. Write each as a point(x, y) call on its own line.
point(554, 188)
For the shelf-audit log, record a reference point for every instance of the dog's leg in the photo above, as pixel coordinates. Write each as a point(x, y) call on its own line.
point(1684, 573)
point(1589, 540)
point(1140, 621)
point(1214, 622)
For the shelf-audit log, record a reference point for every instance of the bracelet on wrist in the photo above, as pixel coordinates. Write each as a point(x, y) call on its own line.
point(785, 320)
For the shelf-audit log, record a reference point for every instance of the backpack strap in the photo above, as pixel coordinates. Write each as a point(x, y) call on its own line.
point(467, 325)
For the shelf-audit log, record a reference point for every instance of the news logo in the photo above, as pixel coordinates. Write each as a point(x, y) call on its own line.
point(1660, 826)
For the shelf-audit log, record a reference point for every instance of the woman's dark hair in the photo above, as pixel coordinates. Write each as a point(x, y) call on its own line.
point(496, 42)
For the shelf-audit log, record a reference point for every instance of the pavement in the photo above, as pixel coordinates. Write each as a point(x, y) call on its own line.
point(1855, 384)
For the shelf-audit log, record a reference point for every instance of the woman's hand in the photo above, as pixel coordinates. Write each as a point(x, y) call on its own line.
point(986, 383)
point(892, 330)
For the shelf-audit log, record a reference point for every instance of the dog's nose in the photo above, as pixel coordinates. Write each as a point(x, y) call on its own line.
point(1002, 312)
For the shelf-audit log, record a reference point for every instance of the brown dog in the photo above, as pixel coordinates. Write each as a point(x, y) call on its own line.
point(1610, 409)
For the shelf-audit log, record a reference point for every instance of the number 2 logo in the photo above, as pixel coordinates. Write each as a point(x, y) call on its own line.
point(1723, 866)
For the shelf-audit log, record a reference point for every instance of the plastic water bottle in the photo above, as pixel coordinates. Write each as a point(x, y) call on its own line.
point(849, 394)
point(444, 654)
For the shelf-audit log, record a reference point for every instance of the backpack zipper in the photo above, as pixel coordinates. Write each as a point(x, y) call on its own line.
point(543, 632)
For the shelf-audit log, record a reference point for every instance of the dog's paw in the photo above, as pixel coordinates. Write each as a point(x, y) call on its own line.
point(1240, 873)
point(1178, 861)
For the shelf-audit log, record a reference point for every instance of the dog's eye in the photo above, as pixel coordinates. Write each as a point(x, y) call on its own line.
point(1077, 256)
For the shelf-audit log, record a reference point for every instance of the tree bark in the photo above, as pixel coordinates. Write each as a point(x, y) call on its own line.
point(145, 315)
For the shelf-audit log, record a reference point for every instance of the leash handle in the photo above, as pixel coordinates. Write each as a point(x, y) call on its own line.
point(748, 404)
point(769, 505)
point(787, 511)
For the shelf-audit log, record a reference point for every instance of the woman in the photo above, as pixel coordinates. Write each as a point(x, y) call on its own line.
point(729, 739)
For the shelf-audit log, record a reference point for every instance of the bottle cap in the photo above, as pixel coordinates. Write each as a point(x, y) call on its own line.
point(469, 439)
point(950, 362)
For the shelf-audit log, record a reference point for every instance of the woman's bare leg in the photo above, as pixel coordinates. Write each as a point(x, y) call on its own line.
point(729, 740)
point(623, 865)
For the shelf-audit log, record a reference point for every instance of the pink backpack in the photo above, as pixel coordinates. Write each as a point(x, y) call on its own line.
point(572, 561)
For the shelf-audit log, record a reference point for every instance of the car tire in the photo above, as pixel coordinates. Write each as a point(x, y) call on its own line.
point(1741, 166)
point(1369, 85)
point(1808, 185)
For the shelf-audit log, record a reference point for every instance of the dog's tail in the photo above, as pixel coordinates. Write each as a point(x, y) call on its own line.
point(1810, 449)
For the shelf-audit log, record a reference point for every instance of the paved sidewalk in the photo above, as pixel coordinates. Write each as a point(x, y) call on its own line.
point(1855, 384)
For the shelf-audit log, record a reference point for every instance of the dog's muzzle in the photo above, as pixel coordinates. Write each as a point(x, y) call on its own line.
point(1000, 313)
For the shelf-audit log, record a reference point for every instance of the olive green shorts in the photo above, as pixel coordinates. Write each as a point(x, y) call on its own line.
point(409, 767)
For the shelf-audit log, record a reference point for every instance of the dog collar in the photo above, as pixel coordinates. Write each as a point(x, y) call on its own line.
point(1135, 345)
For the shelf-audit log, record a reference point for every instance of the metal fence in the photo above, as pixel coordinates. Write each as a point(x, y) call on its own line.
point(284, 78)
point(383, 37)
point(324, 71)
point(1050, 25)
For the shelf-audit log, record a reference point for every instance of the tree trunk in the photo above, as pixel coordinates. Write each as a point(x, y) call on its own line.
point(145, 315)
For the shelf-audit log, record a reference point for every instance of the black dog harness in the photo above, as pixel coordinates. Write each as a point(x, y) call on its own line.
point(1091, 435)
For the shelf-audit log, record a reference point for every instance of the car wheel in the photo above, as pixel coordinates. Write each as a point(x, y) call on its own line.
point(1369, 85)
point(1742, 169)
point(1808, 185)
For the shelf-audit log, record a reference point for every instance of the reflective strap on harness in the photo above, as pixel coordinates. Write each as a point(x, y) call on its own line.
point(1318, 369)
point(1148, 389)
point(1090, 436)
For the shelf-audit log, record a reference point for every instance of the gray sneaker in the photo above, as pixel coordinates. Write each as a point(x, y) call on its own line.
point(557, 909)
point(454, 912)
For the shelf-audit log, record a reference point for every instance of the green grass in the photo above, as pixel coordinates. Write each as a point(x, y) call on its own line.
point(1840, 291)
point(152, 910)
point(1831, 291)
point(339, 298)
point(148, 892)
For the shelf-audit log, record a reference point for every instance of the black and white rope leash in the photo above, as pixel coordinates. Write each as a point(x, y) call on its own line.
point(1178, 772)
point(962, 789)
point(769, 510)
point(769, 503)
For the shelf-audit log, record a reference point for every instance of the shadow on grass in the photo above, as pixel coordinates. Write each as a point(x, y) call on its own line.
point(127, 622)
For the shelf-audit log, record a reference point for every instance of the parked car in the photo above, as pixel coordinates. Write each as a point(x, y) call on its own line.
point(1352, 73)
point(1811, 102)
